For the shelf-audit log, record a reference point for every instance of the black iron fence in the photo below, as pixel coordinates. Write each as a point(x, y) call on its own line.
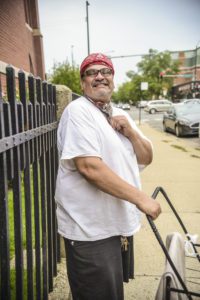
point(75, 96)
point(29, 244)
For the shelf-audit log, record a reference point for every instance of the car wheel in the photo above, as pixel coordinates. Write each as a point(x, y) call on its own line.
point(178, 131)
point(152, 111)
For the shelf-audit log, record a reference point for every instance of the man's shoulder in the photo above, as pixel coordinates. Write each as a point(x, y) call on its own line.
point(77, 105)
point(77, 102)
point(77, 109)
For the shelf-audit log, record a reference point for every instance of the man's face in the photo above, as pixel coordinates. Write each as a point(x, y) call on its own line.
point(98, 87)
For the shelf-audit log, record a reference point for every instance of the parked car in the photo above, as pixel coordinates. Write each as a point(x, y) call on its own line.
point(182, 119)
point(141, 104)
point(158, 106)
point(126, 106)
point(119, 105)
point(190, 100)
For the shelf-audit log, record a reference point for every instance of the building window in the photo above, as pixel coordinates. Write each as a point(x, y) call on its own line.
point(28, 16)
point(189, 59)
point(198, 56)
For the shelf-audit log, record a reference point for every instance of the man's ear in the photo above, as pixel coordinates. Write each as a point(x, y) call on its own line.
point(82, 84)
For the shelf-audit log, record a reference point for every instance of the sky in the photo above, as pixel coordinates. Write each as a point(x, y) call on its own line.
point(117, 28)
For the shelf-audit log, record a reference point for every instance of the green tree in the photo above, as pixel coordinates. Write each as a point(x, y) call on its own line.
point(122, 95)
point(152, 66)
point(64, 73)
point(149, 70)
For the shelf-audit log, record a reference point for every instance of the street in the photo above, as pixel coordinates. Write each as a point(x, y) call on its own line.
point(155, 121)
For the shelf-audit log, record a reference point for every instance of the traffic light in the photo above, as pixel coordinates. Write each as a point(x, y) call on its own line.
point(161, 75)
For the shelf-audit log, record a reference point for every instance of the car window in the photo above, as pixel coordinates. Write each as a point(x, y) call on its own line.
point(192, 108)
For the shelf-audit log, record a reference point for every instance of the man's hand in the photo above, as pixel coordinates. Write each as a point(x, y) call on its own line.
point(121, 124)
point(141, 146)
point(149, 206)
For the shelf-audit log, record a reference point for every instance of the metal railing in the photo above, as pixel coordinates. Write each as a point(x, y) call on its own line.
point(28, 166)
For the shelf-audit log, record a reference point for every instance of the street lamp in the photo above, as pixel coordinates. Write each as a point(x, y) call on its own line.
point(195, 70)
point(87, 20)
point(131, 55)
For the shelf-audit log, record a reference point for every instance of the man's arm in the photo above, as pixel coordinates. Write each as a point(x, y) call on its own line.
point(142, 147)
point(99, 174)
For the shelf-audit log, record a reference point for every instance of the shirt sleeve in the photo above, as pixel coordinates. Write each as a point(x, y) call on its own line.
point(80, 135)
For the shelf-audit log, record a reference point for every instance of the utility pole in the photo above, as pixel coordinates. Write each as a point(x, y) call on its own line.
point(87, 21)
point(72, 55)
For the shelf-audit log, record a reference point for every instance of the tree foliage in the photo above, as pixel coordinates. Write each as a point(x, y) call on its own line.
point(64, 73)
point(149, 70)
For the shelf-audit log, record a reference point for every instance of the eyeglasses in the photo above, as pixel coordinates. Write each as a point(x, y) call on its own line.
point(105, 72)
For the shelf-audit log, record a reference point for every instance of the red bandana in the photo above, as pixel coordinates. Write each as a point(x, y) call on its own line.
point(96, 59)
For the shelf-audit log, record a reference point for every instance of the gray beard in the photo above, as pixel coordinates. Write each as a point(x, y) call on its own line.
point(103, 95)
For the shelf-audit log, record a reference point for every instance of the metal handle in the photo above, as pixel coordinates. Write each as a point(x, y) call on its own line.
point(160, 241)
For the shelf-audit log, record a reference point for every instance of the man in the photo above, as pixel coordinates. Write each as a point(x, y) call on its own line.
point(98, 190)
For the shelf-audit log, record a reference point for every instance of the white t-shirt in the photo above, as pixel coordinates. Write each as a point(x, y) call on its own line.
point(84, 212)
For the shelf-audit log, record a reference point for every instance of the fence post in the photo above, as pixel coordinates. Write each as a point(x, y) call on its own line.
point(4, 224)
point(27, 188)
point(11, 90)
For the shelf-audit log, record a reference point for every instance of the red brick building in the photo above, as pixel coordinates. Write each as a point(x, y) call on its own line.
point(21, 42)
point(187, 86)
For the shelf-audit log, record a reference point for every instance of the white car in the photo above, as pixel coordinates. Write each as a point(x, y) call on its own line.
point(142, 104)
point(119, 105)
point(126, 106)
point(158, 106)
point(194, 100)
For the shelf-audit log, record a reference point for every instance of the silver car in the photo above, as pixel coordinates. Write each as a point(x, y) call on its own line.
point(158, 106)
point(141, 104)
point(183, 119)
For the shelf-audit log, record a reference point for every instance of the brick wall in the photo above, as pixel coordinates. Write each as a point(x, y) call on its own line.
point(20, 44)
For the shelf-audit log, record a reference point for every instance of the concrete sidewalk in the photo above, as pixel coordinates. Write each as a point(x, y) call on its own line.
point(176, 167)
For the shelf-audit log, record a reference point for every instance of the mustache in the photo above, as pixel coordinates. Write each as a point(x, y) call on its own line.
point(99, 81)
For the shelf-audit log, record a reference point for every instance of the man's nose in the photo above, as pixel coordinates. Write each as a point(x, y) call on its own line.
point(99, 75)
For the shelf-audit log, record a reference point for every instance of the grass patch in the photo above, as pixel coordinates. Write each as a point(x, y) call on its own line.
point(11, 217)
point(12, 233)
point(198, 149)
point(179, 148)
point(13, 286)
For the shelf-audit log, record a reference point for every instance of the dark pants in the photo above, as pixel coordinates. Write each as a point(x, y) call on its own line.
point(95, 269)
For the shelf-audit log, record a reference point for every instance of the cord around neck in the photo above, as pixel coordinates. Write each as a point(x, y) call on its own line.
point(105, 108)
